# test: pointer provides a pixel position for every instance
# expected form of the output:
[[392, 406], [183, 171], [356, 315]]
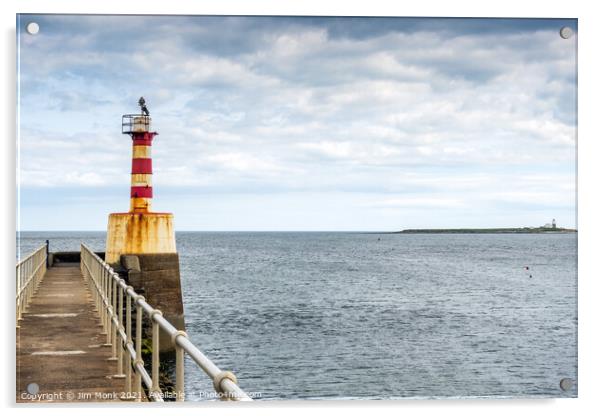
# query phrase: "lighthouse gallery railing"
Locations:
[[110, 292], [30, 272]]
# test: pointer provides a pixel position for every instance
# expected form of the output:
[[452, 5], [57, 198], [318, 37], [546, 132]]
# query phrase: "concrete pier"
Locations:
[[157, 278], [85, 335], [60, 344]]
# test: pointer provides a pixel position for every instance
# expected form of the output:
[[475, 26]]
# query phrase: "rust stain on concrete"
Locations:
[[134, 233]]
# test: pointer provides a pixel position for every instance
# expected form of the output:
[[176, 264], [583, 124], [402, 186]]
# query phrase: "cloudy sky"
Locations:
[[275, 123]]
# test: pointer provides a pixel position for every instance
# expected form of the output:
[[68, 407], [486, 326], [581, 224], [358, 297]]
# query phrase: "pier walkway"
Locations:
[[80, 335], [60, 345]]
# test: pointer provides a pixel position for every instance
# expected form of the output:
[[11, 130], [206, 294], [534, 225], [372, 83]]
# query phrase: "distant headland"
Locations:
[[524, 230], [547, 228]]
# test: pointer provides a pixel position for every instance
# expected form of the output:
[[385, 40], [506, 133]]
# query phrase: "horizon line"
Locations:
[[306, 231]]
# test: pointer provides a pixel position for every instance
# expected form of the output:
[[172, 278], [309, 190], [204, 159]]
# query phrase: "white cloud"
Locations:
[[292, 107], [244, 163], [416, 202]]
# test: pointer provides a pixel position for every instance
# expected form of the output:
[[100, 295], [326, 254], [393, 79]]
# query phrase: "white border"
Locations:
[[590, 34]]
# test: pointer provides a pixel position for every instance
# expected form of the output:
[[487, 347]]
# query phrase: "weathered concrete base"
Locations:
[[137, 233], [157, 278]]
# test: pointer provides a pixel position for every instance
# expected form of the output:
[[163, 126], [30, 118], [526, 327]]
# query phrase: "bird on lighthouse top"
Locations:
[[142, 104]]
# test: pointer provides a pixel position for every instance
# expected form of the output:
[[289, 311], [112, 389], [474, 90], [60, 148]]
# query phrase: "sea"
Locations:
[[333, 315]]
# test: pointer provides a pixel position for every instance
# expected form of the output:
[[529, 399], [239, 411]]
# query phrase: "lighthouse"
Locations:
[[141, 244], [140, 231]]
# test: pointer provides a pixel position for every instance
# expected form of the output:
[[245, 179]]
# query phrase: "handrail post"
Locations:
[[107, 296], [101, 290], [26, 288], [19, 287], [114, 318], [179, 365], [179, 374], [108, 308], [139, 360], [96, 275], [19, 292], [47, 253], [94, 285], [103, 310], [120, 344], [128, 342], [107, 305], [155, 353]]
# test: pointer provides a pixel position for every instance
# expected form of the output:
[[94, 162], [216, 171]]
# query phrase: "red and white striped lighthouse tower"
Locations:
[[138, 126], [140, 231]]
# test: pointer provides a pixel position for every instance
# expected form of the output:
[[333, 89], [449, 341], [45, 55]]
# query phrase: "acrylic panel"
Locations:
[[320, 208]]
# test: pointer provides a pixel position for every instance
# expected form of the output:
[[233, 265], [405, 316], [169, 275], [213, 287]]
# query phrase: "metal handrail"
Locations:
[[29, 274], [111, 294]]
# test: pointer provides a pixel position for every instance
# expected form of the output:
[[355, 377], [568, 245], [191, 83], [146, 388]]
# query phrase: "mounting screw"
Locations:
[[32, 28], [566, 384], [566, 32], [33, 388]]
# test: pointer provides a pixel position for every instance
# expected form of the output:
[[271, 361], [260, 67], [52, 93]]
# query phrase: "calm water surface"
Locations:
[[348, 315]]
